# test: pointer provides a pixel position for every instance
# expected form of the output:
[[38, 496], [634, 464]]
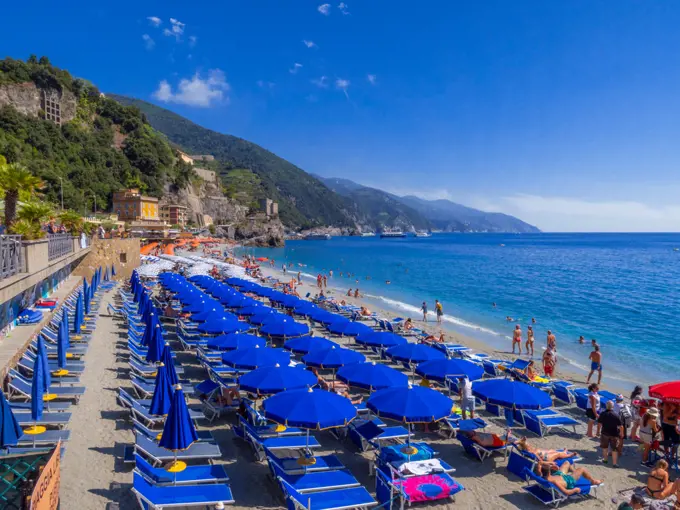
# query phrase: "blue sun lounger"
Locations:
[[478, 451], [341, 499], [207, 473], [455, 423], [203, 435], [321, 463], [314, 481], [549, 494], [49, 437], [543, 421], [197, 451], [368, 435], [17, 387], [146, 370], [145, 389], [52, 407], [157, 497], [562, 391], [49, 419], [56, 381], [140, 409], [519, 460], [74, 367], [259, 443]]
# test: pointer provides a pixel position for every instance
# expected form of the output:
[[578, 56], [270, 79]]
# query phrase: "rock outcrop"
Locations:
[[28, 99]]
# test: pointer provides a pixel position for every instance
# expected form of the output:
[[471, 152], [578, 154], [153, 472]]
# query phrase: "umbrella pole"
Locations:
[[174, 472]]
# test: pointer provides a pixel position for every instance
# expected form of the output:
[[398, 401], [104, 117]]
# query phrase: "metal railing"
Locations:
[[59, 245], [10, 255]]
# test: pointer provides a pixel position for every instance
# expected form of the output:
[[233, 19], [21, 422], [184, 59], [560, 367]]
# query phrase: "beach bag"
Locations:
[[625, 413]]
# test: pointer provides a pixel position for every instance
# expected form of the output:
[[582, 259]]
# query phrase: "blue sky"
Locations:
[[564, 113]]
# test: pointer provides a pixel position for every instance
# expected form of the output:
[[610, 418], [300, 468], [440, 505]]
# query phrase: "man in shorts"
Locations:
[[439, 309], [612, 433], [595, 364], [467, 400]]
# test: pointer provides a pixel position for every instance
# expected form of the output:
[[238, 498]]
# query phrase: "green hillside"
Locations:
[[303, 200], [106, 147]]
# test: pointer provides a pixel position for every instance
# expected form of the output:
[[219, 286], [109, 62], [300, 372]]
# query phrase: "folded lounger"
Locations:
[[157, 497], [341, 499], [549, 494], [562, 391], [207, 473]]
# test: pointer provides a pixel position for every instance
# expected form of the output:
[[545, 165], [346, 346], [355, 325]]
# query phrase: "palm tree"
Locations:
[[15, 177], [35, 212], [72, 221]]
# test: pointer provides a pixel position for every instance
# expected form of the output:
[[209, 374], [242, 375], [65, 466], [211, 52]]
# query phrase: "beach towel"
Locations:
[[421, 467], [649, 503], [428, 487], [393, 454]]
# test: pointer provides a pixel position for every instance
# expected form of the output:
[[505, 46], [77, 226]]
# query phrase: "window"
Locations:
[[123, 258]]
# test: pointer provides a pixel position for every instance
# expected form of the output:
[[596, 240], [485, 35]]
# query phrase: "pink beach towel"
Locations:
[[428, 487]]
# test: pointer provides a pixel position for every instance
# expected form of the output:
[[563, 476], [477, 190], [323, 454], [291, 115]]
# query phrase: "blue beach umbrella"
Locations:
[[414, 353], [382, 339], [106, 274], [305, 307], [154, 354], [372, 376], [64, 323], [235, 341], [162, 394], [249, 310], [41, 359], [38, 388], [264, 292], [267, 317], [179, 432], [410, 404], [62, 345], [208, 312], [271, 380], [113, 270], [323, 316], [306, 344], [198, 305], [86, 295], [511, 394], [285, 328], [78, 318], [149, 330], [310, 409], [443, 369], [348, 328], [169, 364], [223, 324], [10, 431], [332, 358], [255, 357]]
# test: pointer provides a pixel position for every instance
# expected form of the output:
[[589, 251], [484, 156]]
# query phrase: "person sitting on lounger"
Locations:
[[485, 439], [543, 454], [564, 477], [365, 312], [408, 325], [354, 401], [658, 484]]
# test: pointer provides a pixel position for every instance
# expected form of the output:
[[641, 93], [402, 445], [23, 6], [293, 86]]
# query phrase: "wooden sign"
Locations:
[[46, 492]]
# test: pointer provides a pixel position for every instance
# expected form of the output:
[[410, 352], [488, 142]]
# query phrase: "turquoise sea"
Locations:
[[621, 289]]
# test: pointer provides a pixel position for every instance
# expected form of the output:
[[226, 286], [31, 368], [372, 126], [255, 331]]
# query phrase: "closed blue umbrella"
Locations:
[[305, 344], [286, 328], [154, 354], [78, 318], [383, 339], [61, 346], [410, 404], [414, 353], [332, 358], [86, 295], [65, 322], [179, 432], [271, 380], [10, 431], [41, 359], [38, 389], [310, 409], [235, 341], [113, 270], [443, 369], [255, 357], [169, 364], [162, 394], [224, 324], [348, 328], [106, 274], [149, 330], [372, 376]]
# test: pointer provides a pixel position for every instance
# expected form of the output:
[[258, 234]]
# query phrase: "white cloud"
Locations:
[[176, 29], [149, 43], [321, 82], [155, 21], [324, 9], [309, 44], [343, 7], [196, 91], [372, 78], [295, 68], [192, 41]]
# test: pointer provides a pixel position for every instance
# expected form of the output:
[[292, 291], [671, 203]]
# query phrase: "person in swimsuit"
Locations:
[[349, 293], [595, 364], [485, 439], [551, 341], [517, 339], [548, 362], [593, 410], [530, 372], [658, 484], [542, 454], [530, 340], [565, 476]]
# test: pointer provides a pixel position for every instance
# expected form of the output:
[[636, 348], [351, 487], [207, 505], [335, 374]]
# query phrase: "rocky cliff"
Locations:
[[27, 98]]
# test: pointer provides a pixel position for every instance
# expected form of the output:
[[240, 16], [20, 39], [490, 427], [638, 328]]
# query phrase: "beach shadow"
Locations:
[[519, 500], [117, 494], [115, 415]]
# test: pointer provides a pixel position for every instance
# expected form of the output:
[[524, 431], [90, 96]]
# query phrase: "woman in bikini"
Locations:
[[658, 485], [544, 455], [565, 476]]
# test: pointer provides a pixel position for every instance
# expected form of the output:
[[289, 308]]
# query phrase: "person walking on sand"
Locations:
[[595, 364], [551, 341], [439, 309], [299, 278], [283, 267], [530, 340], [548, 362], [612, 433], [424, 310], [517, 339]]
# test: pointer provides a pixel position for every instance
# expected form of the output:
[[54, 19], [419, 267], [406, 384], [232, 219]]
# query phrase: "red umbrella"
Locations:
[[668, 391], [262, 259]]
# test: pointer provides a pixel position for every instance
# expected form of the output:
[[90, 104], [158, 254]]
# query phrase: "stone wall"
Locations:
[[26, 98], [206, 175], [122, 253]]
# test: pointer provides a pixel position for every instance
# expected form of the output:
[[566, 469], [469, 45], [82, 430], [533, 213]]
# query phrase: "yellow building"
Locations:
[[131, 205]]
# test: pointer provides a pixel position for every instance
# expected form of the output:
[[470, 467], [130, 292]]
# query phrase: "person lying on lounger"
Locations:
[[485, 439], [564, 477], [543, 454]]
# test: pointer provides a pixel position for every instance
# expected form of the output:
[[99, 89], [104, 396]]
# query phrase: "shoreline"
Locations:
[[569, 373]]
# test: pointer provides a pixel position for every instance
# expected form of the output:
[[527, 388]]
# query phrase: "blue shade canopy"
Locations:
[[323, 316], [441, 369], [335, 357], [10, 431], [410, 404], [289, 301], [309, 409], [286, 328], [264, 292], [267, 317], [304, 308], [511, 394], [155, 352], [249, 310], [372, 376], [223, 324], [169, 364], [200, 305], [86, 295], [235, 341], [234, 300], [256, 357], [270, 380], [383, 339], [305, 344], [179, 431], [348, 328], [236, 282], [414, 353], [162, 394], [41, 358], [208, 312]]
